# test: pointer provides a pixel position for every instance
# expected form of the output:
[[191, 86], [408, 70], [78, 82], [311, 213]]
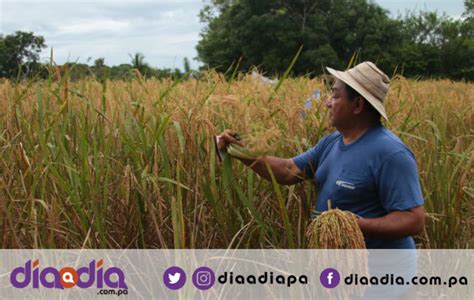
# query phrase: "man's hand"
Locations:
[[226, 138], [394, 225], [284, 169]]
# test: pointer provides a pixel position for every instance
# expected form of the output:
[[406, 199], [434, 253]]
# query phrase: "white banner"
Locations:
[[231, 274]]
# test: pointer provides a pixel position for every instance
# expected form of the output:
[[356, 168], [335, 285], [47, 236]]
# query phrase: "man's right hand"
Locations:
[[284, 169], [226, 138]]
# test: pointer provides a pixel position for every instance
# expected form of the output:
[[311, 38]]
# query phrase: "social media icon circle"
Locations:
[[330, 278], [174, 278], [204, 278]]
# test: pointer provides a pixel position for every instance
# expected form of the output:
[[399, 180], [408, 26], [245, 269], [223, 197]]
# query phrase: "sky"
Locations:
[[163, 31]]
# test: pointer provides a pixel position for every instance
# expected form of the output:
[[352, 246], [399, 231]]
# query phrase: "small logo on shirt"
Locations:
[[345, 184]]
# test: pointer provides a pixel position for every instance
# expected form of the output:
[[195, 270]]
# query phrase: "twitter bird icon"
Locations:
[[174, 278]]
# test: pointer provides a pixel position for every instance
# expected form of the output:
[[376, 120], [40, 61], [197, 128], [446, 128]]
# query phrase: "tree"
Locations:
[[122, 72], [438, 46], [100, 70], [187, 67], [99, 63], [76, 71], [138, 62], [17, 50], [268, 33], [469, 5]]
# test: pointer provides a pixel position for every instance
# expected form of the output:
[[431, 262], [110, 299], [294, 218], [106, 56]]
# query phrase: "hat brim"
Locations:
[[347, 79]]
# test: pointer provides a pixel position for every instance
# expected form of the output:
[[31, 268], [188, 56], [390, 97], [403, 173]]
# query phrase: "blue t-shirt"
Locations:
[[371, 177]]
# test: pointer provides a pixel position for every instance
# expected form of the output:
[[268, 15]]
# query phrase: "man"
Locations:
[[362, 167]]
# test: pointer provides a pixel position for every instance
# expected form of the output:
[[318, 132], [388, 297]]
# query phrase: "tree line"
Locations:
[[20, 59], [242, 34], [268, 33]]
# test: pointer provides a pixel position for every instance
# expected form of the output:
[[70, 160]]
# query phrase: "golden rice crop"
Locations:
[[335, 229], [131, 164]]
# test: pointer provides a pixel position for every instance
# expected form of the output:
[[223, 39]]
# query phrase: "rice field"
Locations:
[[131, 164]]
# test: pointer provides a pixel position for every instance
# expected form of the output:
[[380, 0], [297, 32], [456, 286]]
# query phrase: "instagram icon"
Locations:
[[203, 278]]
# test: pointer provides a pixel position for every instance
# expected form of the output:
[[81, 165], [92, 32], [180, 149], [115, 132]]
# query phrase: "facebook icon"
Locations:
[[330, 278]]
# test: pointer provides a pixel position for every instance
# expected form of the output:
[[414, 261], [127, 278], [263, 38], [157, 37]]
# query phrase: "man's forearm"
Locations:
[[280, 167], [394, 225]]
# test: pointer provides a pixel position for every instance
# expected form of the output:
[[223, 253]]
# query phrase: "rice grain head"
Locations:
[[335, 229]]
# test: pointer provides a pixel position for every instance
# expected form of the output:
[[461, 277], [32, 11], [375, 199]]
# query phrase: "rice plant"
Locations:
[[131, 164]]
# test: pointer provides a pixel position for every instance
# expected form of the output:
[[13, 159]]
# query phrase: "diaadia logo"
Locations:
[[93, 275]]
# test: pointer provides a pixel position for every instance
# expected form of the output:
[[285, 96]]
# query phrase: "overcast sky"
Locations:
[[164, 31]]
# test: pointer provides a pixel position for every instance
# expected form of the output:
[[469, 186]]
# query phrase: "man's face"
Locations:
[[340, 106]]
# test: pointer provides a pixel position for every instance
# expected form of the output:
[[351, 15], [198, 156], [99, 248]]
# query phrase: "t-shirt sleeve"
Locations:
[[308, 161], [398, 183]]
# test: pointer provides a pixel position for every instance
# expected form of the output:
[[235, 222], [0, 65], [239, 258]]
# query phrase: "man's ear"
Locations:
[[359, 104]]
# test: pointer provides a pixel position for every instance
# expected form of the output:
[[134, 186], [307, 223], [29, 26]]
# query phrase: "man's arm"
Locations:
[[394, 225], [284, 169], [400, 194]]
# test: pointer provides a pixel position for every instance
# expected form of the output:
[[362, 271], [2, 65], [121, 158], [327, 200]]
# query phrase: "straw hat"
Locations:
[[369, 81]]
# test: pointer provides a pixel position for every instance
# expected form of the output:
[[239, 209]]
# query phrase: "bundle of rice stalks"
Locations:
[[262, 140], [257, 144], [335, 229]]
